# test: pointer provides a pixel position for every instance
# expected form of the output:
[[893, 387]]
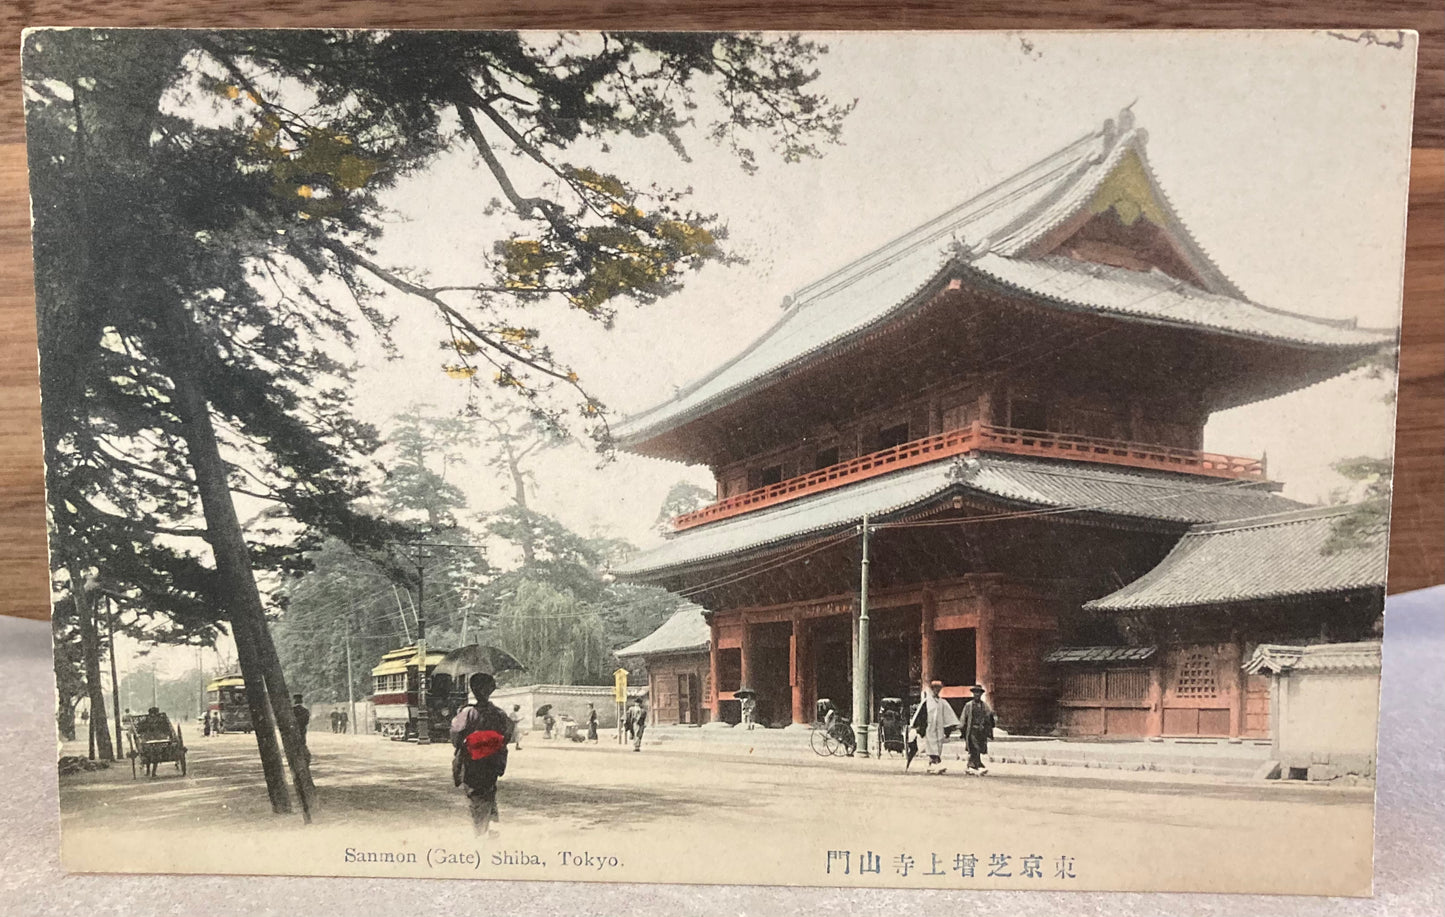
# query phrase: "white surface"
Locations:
[[1409, 878]]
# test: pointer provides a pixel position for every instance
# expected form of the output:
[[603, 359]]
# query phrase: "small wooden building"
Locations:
[[1014, 396], [1198, 618], [676, 657]]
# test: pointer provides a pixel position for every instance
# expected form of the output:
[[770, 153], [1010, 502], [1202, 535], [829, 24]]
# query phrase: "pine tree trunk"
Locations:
[[263, 724], [90, 655], [237, 580], [65, 718], [519, 496]]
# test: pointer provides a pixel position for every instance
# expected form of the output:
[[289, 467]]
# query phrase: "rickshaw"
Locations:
[[154, 740], [892, 729], [833, 732]]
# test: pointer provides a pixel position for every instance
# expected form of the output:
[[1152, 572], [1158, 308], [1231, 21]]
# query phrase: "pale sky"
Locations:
[[1285, 153]]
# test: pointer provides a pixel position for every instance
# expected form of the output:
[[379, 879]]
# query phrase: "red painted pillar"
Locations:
[[983, 644], [1156, 697], [926, 634], [746, 655], [713, 704], [797, 646], [1237, 687]]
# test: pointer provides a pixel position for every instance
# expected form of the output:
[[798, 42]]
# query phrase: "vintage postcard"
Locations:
[[951, 460]]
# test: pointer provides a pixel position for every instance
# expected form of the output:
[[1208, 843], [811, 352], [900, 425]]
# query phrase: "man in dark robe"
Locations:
[[978, 722], [302, 714], [480, 733], [636, 722]]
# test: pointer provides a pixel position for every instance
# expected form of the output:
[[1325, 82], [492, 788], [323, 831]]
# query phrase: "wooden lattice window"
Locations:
[[1127, 684], [1197, 676], [1083, 686]]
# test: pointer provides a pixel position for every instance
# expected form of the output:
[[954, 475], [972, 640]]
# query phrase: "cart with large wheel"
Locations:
[[154, 740], [832, 733]]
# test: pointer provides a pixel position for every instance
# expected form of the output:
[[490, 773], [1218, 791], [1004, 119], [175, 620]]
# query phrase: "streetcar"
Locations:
[[394, 689], [226, 699], [395, 695]]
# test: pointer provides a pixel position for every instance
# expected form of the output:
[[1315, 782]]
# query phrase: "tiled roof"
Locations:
[[1156, 296], [1040, 483], [1247, 560], [685, 632], [1100, 654], [989, 235], [1323, 657]]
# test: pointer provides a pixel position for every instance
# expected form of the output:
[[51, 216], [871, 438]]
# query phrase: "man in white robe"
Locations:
[[932, 721]]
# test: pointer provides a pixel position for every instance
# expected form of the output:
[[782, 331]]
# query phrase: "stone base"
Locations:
[[717, 724]]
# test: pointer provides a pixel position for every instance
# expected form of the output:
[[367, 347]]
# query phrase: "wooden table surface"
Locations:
[[1417, 543]]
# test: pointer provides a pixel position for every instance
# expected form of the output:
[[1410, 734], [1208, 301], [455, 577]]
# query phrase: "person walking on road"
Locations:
[[978, 722], [933, 720], [480, 732], [592, 722], [750, 711], [516, 717], [636, 722], [302, 716]]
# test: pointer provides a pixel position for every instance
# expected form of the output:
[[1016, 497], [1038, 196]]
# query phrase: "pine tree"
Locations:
[[198, 197]]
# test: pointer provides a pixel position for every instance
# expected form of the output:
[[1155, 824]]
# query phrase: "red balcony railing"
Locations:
[[980, 437]]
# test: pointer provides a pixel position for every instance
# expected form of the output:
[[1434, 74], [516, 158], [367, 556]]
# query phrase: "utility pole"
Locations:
[[861, 661], [350, 700], [423, 715], [419, 559], [114, 679], [200, 686]]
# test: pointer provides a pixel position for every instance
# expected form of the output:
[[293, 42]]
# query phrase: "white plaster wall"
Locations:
[[1328, 715]]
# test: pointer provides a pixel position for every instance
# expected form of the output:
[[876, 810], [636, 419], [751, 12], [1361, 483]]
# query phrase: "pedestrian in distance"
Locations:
[[636, 722], [480, 733], [516, 717], [977, 722], [549, 725], [207, 724], [592, 722], [302, 715], [933, 720], [750, 711]]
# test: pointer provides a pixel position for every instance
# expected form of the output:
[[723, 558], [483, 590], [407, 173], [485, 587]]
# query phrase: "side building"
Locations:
[[1012, 398], [677, 658]]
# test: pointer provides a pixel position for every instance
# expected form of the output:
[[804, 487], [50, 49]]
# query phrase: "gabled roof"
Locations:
[[1156, 297], [1254, 559], [1092, 654], [1042, 483], [1322, 657], [1002, 235], [685, 632]]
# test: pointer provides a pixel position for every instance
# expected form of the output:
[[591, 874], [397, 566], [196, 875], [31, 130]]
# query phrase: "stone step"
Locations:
[[1192, 756]]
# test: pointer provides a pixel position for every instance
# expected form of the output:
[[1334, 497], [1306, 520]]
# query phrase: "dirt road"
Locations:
[[605, 813]]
